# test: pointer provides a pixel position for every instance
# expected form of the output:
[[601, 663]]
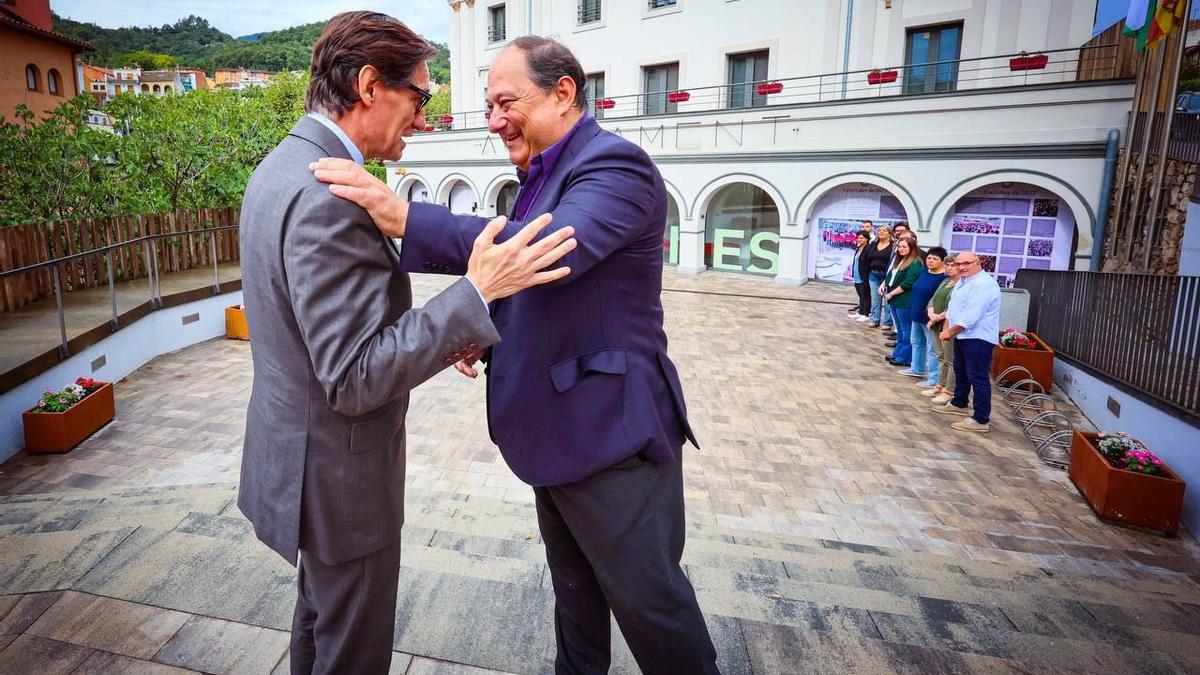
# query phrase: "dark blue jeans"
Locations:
[[902, 352], [972, 363]]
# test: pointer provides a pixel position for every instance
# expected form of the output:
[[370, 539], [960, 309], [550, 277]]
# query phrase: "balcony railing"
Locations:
[[659, 4], [496, 34], [1006, 70]]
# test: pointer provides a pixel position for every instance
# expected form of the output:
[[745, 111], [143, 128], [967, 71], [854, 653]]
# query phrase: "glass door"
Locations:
[[925, 48]]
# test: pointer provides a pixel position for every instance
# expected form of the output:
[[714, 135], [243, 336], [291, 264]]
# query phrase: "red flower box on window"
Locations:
[[881, 76], [447, 119], [1028, 62], [678, 97], [605, 104], [770, 88]]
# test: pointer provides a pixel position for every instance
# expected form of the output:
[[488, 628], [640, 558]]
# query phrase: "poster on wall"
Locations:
[[838, 216], [1010, 228]]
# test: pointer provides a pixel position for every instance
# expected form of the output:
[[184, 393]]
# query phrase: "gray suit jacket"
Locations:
[[336, 347]]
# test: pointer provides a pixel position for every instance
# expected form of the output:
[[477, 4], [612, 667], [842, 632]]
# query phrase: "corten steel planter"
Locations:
[[1124, 496], [235, 324], [60, 432], [1039, 362]]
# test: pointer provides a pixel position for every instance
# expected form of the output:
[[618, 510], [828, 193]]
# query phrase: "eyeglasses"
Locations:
[[425, 95], [965, 263]]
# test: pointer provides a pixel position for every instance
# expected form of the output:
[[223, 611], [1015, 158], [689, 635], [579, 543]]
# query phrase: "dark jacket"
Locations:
[[580, 379], [905, 278]]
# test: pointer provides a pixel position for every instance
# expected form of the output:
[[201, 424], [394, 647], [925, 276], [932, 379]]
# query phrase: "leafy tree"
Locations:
[[146, 59], [56, 167], [438, 105]]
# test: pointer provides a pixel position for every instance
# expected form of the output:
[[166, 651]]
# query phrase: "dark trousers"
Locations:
[[864, 297], [972, 366], [345, 614], [613, 542]]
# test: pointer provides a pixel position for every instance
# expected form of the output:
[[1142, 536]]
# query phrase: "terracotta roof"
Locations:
[[13, 21]]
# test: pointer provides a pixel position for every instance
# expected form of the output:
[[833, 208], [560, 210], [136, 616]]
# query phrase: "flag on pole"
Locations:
[[1169, 14], [1138, 20]]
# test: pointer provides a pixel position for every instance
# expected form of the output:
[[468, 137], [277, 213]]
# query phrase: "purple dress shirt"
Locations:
[[541, 166]]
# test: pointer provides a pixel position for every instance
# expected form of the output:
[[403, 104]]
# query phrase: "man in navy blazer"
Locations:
[[583, 400]]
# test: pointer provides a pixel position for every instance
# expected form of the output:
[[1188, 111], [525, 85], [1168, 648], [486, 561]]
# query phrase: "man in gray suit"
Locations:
[[337, 345]]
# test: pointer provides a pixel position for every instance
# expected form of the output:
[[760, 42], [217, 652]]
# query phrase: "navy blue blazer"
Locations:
[[580, 379]]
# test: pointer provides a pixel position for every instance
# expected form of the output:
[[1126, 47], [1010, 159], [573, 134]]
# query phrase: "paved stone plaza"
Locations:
[[835, 525]]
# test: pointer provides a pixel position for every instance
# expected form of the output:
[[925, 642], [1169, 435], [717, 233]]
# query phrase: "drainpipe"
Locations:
[[529, 17], [1106, 184], [846, 52]]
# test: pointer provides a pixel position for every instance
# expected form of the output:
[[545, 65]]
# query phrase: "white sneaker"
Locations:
[[969, 424], [951, 409], [930, 393], [923, 384], [941, 399], [862, 318]]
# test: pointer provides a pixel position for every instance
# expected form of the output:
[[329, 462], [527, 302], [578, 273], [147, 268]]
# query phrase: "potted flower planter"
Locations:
[[1028, 62], [1038, 361], [61, 431], [881, 76], [1122, 495], [235, 323]]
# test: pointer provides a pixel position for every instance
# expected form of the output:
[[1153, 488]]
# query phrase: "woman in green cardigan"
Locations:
[[895, 290]]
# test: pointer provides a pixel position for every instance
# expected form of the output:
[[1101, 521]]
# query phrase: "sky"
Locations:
[[430, 18], [1109, 12]]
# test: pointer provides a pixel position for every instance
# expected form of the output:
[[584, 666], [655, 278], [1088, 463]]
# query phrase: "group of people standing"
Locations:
[[940, 317]]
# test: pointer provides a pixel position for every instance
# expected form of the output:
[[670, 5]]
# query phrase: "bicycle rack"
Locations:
[[1019, 372], [1011, 393], [1055, 449], [1031, 406]]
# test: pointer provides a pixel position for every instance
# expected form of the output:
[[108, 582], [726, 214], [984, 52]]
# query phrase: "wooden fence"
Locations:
[[24, 245]]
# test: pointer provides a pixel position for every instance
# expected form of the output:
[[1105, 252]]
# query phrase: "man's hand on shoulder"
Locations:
[[351, 182], [500, 270]]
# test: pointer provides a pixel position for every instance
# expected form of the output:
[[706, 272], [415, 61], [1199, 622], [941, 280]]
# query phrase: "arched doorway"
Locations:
[[836, 220], [415, 191], [460, 198], [741, 231], [506, 196], [671, 233], [1011, 226]]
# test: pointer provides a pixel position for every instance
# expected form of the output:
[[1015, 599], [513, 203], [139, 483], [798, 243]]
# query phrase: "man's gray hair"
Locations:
[[548, 61]]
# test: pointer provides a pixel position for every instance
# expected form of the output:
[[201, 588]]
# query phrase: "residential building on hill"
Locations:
[[240, 78], [39, 67], [95, 82], [124, 81]]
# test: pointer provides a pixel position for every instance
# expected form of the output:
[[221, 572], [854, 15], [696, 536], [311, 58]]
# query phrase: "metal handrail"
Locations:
[[152, 273], [112, 247], [820, 84]]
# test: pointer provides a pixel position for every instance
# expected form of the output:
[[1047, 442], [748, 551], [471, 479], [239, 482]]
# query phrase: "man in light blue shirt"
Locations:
[[973, 322]]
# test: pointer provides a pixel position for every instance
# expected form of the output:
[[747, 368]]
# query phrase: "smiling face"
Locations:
[[527, 119]]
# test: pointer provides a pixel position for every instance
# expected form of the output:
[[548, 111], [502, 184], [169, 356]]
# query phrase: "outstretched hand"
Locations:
[[350, 181], [500, 270]]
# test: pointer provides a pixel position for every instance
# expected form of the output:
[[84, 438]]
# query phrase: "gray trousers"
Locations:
[[345, 614], [613, 542]]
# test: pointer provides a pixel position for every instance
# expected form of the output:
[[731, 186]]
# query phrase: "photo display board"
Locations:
[[1011, 227], [838, 216]]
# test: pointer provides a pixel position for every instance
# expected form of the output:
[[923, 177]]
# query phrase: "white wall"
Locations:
[[125, 351], [805, 37], [928, 152]]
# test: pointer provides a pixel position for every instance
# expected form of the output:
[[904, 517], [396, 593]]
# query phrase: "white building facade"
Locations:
[[780, 125]]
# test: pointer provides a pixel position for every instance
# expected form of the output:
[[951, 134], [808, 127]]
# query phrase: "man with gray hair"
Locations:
[[337, 345], [583, 400]]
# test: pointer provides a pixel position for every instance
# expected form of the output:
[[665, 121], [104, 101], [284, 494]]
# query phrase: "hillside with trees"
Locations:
[[195, 43]]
